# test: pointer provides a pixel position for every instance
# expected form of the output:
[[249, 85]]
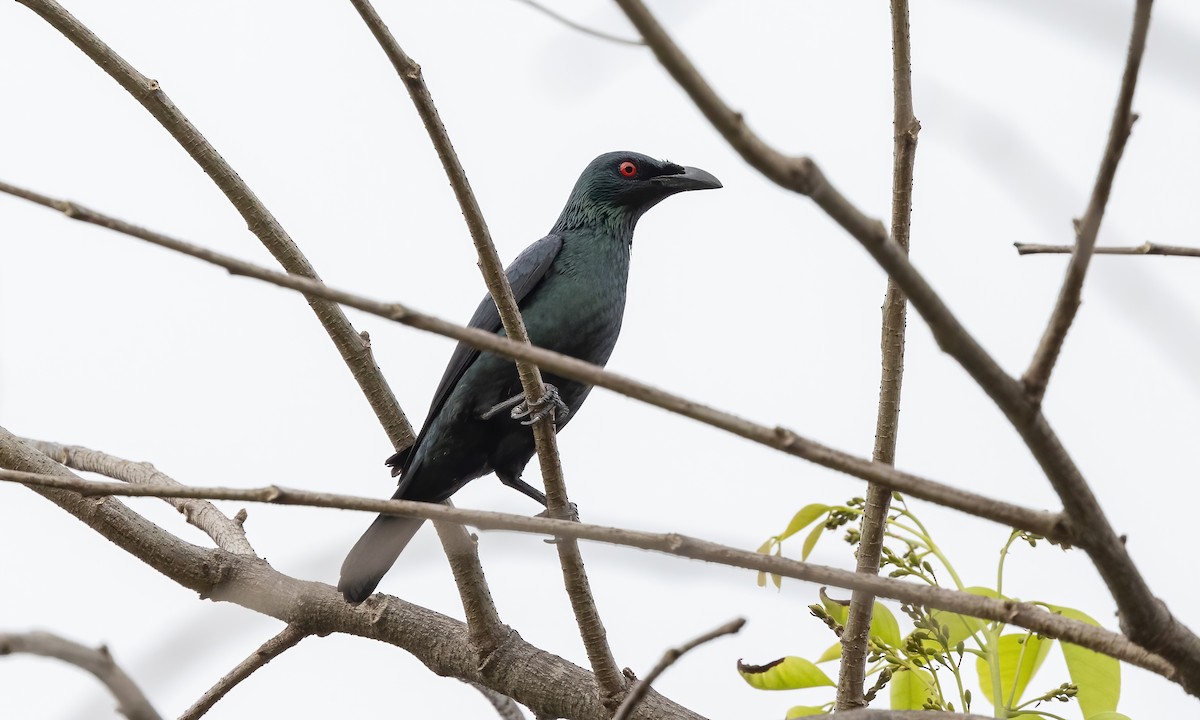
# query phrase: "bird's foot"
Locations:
[[550, 403], [571, 512]]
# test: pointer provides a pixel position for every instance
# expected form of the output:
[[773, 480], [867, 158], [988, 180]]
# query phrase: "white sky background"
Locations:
[[748, 298]]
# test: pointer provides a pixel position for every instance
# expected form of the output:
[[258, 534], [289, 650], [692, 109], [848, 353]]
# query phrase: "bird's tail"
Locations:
[[374, 554]]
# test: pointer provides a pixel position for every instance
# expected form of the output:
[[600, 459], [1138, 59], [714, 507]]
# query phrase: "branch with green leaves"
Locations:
[[924, 668]]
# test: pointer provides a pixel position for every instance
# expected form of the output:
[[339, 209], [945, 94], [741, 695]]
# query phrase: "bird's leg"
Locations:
[[551, 402], [496, 409], [515, 482]]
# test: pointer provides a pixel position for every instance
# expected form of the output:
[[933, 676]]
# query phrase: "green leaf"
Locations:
[[805, 711], [803, 519], [1097, 676], [810, 542], [884, 625], [1021, 655], [787, 673], [833, 653], [836, 610], [911, 689], [960, 627], [1108, 716]]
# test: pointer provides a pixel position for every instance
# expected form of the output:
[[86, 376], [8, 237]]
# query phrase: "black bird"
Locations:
[[570, 286]]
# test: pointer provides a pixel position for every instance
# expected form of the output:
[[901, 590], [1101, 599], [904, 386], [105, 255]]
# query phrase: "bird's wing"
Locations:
[[524, 274]]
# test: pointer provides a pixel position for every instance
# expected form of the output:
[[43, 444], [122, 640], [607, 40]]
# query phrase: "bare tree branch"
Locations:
[[1086, 229], [1145, 617], [669, 658], [225, 532], [542, 681], [1146, 248], [591, 629], [98, 661], [354, 347], [1051, 525], [1026, 615], [855, 637], [581, 28], [268, 651]]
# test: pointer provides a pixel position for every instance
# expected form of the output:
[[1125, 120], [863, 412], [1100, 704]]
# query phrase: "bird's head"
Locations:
[[617, 187]]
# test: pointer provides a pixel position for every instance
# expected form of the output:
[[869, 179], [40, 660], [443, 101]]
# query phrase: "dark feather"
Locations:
[[523, 276]]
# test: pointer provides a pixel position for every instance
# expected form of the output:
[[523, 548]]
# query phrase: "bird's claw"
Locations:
[[550, 404], [571, 512]]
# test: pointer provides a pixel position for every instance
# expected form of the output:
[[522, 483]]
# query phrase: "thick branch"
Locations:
[[98, 661], [268, 651], [1146, 248], [1025, 615], [1145, 617], [669, 658], [591, 628], [1086, 229], [542, 681], [1050, 525], [855, 637], [228, 534]]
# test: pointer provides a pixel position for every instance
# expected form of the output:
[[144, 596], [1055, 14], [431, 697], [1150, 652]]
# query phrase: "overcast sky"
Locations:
[[748, 298]]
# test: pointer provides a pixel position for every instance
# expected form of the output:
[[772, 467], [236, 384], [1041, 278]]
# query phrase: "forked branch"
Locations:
[[1087, 227]]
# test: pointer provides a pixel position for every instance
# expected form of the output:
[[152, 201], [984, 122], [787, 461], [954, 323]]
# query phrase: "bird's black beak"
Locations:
[[690, 179]]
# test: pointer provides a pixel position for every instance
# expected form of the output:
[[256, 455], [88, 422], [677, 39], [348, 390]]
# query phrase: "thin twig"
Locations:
[[1051, 525], [591, 628], [582, 28], [268, 651], [1086, 229], [669, 658], [225, 532], [1144, 616], [855, 637], [98, 661], [1025, 615], [505, 707], [1146, 248]]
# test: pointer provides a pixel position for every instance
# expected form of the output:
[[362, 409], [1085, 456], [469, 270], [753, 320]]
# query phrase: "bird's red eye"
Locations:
[[627, 169]]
